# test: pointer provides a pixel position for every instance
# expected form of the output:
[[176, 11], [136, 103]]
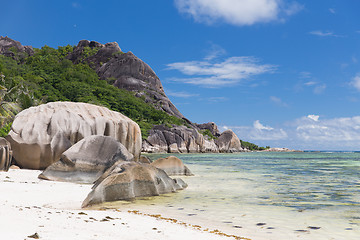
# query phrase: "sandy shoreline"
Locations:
[[29, 205]]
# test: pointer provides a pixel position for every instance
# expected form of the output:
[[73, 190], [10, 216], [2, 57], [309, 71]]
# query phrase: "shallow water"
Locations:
[[267, 195]]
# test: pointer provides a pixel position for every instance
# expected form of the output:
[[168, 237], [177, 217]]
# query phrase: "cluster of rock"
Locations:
[[182, 139], [84, 143]]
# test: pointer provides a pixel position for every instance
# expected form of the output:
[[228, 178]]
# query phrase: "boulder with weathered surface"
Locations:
[[5, 155], [87, 160], [172, 166], [39, 135], [228, 142], [128, 180]]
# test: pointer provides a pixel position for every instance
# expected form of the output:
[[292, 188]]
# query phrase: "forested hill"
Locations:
[[33, 76]]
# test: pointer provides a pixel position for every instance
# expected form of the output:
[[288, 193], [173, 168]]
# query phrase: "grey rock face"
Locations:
[[172, 166], [5, 155], [126, 71], [228, 142], [8, 44], [128, 180], [39, 135], [87, 160]]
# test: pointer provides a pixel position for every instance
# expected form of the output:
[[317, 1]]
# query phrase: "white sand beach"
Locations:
[[51, 210]]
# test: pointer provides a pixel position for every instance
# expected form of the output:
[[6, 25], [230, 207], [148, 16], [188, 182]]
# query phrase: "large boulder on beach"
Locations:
[[128, 180], [228, 142], [87, 160], [172, 166], [5, 155], [39, 135]]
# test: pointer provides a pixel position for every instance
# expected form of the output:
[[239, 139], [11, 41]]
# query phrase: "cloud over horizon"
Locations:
[[308, 133], [208, 73], [237, 12]]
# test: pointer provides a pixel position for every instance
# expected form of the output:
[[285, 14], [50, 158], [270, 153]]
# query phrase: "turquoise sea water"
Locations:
[[311, 195]]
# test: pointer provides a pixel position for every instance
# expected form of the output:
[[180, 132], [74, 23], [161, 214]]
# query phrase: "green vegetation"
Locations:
[[252, 146], [48, 76], [206, 132], [5, 130]]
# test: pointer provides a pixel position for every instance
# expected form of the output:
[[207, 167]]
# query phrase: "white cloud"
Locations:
[[329, 130], [214, 52], [217, 99], [237, 12], [257, 125], [311, 83], [257, 132], [314, 117], [228, 72], [320, 88], [305, 133], [325, 34], [278, 101], [180, 94], [356, 82], [332, 10], [322, 33]]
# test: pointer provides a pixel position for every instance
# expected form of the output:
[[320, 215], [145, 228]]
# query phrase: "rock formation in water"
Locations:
[[182, 139], [87, 160], [172, 165], [128, 180], [39, 135], [228, 142], [5, 155]]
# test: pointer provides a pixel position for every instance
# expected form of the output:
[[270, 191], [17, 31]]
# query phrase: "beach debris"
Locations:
[[35, 236], [197, 227], [236, 226], [302, 230], [82, 213], [313, 228], [260, 224]]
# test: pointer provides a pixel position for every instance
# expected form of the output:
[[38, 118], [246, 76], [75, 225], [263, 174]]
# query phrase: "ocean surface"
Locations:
[[310, 195]]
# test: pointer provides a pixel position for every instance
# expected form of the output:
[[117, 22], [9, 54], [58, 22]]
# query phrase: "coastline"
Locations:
[[52, 210]]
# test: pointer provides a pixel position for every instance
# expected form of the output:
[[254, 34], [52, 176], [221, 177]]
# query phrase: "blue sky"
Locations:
[[277, 72]]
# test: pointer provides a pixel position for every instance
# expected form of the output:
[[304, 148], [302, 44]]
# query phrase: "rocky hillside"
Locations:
[[75, 73]]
